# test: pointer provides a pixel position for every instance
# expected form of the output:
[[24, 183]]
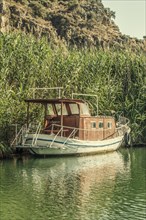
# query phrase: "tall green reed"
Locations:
[[117, 77]]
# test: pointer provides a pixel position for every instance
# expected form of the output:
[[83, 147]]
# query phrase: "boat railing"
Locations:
[[61, 130], [78, 129], [72, 135], [122, 125], [44, 89], [35, 136], [35, 129], [123, 120], [20, 135]]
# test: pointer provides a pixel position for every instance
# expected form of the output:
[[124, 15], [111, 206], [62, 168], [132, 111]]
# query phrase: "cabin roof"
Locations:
[[54, 101]]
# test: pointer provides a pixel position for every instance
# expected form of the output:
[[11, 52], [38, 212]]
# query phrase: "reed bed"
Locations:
[[117, 77]]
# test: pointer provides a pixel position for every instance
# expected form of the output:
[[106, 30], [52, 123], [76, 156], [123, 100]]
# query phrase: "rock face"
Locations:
[[83, 23], [4, 17]]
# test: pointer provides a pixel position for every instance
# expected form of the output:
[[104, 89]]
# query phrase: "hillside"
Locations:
[[81, 23]]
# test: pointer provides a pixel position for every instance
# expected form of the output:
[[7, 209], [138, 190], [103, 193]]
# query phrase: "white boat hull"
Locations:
[[47, 145]]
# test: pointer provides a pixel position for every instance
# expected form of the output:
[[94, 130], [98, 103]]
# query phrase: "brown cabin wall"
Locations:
[[96, 133], [92, 133], [71, 121], [68, 121]]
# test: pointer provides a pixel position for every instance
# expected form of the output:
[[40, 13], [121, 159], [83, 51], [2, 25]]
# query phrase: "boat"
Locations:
[[68, 128]]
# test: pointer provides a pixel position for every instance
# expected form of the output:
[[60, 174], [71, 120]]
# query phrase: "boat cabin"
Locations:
[[73, 117]]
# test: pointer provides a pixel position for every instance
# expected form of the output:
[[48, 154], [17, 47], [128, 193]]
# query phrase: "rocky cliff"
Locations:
[[83, 23]]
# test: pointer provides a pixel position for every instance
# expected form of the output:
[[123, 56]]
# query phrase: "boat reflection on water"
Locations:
[[84, 172], [77, 182], [109, 186], [76, 187]]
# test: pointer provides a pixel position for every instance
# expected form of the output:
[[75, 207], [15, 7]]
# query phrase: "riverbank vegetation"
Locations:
[[117, 77]]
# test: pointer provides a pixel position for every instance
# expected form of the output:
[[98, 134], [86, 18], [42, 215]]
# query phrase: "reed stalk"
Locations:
[[117, 77]]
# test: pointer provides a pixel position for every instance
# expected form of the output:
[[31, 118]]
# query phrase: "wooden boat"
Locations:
[[68, 128]]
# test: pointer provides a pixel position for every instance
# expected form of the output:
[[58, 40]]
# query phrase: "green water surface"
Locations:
[[103, 187]]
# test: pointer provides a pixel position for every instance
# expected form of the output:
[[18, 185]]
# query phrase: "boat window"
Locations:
[[50, 110], [58, 109], [100, 124], [74, 108], [109, 125], [84, 109], [93, 124]]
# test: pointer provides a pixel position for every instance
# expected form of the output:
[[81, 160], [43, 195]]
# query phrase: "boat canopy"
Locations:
[[76, 106], [54, 101]]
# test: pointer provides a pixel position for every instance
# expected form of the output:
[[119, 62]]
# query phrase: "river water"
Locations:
[[103, 187]]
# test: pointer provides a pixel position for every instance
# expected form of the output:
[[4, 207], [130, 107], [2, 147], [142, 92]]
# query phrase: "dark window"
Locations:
[[93, 124], [100, 124], [109, 125]]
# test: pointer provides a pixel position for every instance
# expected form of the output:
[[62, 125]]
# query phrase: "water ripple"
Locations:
[[102, 187]]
